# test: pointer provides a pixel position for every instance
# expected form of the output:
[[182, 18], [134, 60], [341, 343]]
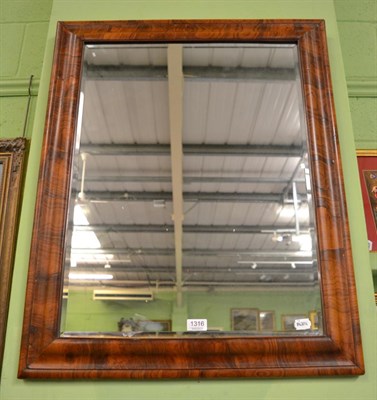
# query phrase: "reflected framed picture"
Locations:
[[245, 319], [267, 321], [144, 325], [288, 321], [164, 324], [12, 158], [367, 163], [315, 320]]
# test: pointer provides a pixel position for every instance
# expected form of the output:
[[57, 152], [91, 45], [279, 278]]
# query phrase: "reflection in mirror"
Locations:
[[191, 194], [1, 179]]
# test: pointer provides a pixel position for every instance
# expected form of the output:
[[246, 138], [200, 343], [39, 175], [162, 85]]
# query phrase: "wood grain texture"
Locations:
[[45, 354], [12, 158]]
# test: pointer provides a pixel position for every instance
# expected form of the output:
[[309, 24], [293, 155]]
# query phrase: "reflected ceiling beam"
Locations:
[[186, 179], [175, 88], [119, 268], [241, 229], [202, 285], [108, 196], [207, 73], [247, 150], [256, 255]]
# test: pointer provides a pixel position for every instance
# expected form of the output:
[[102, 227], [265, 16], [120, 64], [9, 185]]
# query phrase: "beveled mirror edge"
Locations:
[[13, 156], [45, 355]]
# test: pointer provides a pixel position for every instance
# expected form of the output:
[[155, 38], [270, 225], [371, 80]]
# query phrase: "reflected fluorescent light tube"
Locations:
[[79, 121], [276, 262], [89, 277], [159, 204]]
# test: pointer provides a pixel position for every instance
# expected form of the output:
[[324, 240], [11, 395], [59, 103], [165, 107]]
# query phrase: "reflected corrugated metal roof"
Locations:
[[231, 97]]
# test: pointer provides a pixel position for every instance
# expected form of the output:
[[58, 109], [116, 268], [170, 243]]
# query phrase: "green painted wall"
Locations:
[[357, 24], [23, 28], [23, 32], [85, 314]]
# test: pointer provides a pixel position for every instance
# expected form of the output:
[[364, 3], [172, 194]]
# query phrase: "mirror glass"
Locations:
[[191, 208]]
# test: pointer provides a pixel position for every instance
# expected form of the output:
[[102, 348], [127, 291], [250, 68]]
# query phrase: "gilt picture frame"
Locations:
[[315, 320], [367, 165], [12, 159]]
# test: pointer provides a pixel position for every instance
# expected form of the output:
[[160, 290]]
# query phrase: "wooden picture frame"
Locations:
[[46, 354], [12, 159], [367, 164], [245, 319]]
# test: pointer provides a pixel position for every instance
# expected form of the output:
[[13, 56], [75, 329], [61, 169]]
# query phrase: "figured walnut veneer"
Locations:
[[45, 354]]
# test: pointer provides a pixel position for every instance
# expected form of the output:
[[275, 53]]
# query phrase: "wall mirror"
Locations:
[[12, 155], [190, 219]]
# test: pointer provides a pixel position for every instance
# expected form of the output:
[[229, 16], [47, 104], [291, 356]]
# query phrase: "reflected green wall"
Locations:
[[357, 26], [85, 314]]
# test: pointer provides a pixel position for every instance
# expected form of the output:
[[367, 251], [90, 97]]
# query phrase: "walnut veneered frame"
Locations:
[[44, 354]]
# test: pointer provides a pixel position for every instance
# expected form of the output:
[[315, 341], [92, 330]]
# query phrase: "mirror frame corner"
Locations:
[[45, 354]]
